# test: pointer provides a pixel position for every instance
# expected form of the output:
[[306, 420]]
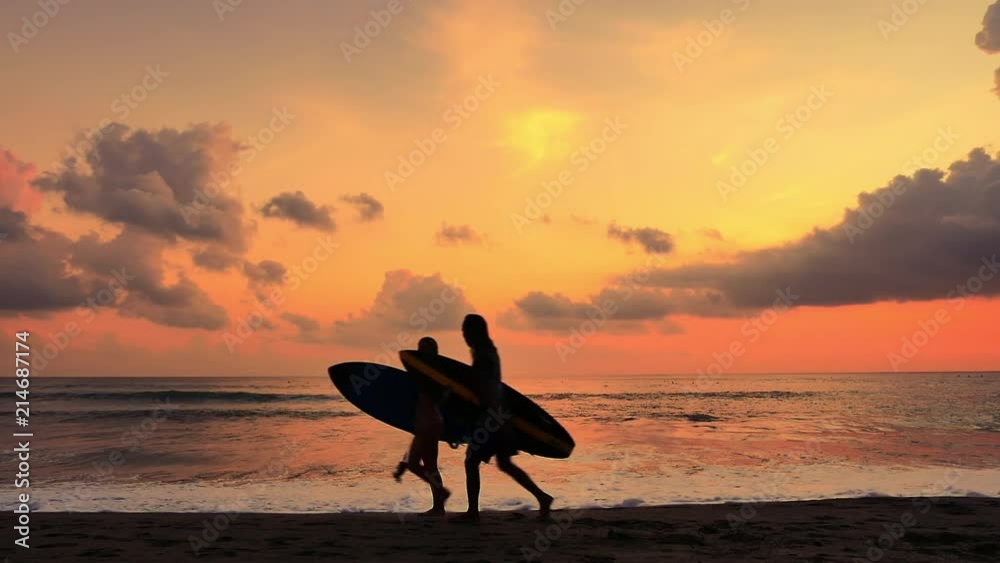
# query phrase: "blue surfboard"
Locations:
[[389, 395]]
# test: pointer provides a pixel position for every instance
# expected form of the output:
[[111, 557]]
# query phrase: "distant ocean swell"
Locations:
[[188, 397]]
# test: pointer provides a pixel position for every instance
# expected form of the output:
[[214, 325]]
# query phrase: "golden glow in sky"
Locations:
[[520, 197]]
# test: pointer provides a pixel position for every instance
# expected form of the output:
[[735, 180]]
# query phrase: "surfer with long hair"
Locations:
[[422, 457], [495, 419]]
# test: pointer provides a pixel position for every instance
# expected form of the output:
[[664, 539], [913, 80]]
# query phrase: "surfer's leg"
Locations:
[[472, 484], [505, 464], [429, 466]]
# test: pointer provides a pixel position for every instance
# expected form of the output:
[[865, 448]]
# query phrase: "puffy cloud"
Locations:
[[620, 308], [453, 235], [215, 259], [167, 182], [653, 241], [304, 323], [714, 234], [35, 274], [297, 208], [309, 329], [406, 302], [264, 274], [267, 272], [135, 259], [369, 208], [989, 38], [917, 238]]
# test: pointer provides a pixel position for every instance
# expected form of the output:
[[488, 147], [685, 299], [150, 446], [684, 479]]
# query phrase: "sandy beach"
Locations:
[[957, 529]]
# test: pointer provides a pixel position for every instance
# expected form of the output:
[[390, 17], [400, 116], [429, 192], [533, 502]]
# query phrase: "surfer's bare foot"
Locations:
[[439, 499], [467, 518], [544, 506]]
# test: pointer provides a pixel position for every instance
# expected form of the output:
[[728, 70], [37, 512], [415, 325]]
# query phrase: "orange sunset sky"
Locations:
[[198, 161]]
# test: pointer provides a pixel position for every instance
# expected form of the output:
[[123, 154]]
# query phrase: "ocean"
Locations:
[[294, 445]]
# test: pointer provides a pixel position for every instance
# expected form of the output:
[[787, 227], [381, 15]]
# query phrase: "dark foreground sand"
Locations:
[[949, 529]]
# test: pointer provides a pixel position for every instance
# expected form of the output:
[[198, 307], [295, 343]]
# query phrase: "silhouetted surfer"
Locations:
[[422, 459], [495, 418]]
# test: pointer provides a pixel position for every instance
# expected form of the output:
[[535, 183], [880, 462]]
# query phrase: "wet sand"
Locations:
[[956, 529]]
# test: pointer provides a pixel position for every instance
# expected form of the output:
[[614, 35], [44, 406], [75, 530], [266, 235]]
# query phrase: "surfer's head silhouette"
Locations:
[[428, 346], [475, 331]]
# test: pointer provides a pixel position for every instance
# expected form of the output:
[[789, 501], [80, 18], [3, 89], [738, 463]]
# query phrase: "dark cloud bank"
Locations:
[[919, 237]]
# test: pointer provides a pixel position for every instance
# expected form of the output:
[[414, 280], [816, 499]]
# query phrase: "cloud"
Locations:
[[135, 259], [35, 277], [262, 275], [409, 303], [16, 192], [215, 259], [989, 38], [620, 308], [297, 208], [265, 272], [165, 182], [653, 241], [453, 235], [304, 323], [917, 238], [369, 208], [712, 234], [309, 329], [145, 182]]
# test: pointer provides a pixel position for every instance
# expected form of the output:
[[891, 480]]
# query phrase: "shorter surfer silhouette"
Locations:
[[495, 418], [422, 457]]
